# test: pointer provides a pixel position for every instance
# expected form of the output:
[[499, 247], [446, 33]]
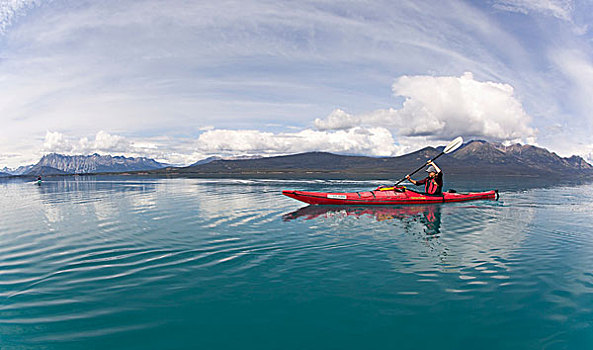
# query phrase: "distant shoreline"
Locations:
[[280, 175], [459, 182], [322, 175]]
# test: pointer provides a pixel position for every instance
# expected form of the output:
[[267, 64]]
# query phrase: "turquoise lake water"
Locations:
[[124, 263]]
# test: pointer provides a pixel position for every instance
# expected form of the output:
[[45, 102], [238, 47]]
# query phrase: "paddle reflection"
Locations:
[[427, 215]]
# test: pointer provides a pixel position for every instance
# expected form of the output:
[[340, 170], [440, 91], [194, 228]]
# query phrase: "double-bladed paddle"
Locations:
[[452, 146]]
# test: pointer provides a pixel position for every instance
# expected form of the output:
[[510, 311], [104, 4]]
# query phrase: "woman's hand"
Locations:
[[410, 179]]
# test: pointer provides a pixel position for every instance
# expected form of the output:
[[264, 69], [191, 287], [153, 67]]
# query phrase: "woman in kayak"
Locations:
[[433, 183]]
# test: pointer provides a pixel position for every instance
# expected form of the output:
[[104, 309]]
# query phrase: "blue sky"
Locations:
[[181, 80]]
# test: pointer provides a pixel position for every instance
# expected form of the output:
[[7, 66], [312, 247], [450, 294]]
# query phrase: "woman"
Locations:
[[433, 183]]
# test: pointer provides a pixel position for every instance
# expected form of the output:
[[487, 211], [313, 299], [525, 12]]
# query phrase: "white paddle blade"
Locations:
[[453, 145]]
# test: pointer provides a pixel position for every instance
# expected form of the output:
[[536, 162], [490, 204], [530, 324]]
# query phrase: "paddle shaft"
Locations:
[[417, 170]]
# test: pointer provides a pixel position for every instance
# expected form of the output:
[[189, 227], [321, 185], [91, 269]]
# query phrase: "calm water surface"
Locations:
[[108, 263]]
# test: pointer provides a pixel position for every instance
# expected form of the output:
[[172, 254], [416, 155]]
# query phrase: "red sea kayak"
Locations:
[[400, 195]]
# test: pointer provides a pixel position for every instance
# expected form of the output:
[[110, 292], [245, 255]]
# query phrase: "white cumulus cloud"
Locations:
[[337, 120], [444, 107], [448, 106], [56, 142], [103, 143]]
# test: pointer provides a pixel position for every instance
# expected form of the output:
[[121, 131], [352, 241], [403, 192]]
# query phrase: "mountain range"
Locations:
[[53, 164], [213, 158], [473, 158], [23, 169]]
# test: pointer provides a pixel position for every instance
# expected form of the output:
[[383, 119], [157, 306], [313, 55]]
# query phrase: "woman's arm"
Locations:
[[410, 179], [430, 162]]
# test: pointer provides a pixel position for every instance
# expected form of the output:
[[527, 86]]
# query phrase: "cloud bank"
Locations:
[[434, 111], [374, 141]]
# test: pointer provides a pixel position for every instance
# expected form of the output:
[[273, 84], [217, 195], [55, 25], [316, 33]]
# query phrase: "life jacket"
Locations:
[[431, 186]]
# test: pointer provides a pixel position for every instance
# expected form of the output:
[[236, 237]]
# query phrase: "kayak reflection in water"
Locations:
[[433, 183], [428, 215]]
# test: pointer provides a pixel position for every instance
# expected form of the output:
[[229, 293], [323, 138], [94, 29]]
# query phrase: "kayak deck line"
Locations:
[[385, 197]]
